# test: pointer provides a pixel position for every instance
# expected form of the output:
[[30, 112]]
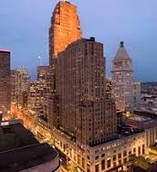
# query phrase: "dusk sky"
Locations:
[[24, 30]]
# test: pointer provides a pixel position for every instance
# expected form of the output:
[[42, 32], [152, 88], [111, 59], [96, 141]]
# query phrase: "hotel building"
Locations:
[[84, 111]]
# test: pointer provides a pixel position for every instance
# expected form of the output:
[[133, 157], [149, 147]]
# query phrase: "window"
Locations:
[[119, 155], [134, 150], [125, 160], [139, 150], [120, 162], [103, 164], [97, 168], [143, 149], [97, 157], [114, 157], [108, 163], [124, 153], [103, 155], [114, 164], [83, 162]]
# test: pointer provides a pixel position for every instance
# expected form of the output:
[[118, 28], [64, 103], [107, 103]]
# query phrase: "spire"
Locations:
[[121, 44], [122, 53]]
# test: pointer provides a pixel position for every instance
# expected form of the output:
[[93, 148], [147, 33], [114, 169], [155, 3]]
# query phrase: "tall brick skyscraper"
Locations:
[[5, 81], [85, 111], [64, 29]]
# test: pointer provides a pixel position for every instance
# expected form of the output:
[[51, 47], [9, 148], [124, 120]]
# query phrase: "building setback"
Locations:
[[84, 110], [5, 83]]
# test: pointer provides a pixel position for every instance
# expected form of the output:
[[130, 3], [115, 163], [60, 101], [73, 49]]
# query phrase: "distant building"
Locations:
[[43, 77], [5, 82], [137, 94], [20, 151], [146, 123], [20, 85], [108, 86], [39, 91], [36, 97], [43, 73], [122, 80]]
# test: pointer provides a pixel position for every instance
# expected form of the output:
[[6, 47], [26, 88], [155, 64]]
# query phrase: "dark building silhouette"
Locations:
[[5, 83]]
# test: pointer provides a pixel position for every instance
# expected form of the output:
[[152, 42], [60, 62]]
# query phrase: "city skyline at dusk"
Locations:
[[75, 91], [24, 30]]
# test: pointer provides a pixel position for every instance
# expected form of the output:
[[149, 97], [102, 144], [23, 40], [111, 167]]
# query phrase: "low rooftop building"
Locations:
[[20, 151]]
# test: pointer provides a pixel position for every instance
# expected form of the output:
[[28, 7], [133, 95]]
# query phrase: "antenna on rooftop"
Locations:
[[40, 60]]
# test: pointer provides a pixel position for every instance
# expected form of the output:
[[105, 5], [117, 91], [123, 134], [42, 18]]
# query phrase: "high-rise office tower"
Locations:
[[64, 29], [5, 82], [84, 110], [122, 79]]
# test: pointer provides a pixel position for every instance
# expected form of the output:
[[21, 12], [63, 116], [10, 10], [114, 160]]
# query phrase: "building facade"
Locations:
[[43, 77], [84, 110], [64, 29], [108, 157], [36, 96], [5, 82], [20, 80], [137, 94], [122, 80], [43, 73]]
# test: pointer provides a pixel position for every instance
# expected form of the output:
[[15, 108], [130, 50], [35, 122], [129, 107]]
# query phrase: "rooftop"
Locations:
[[14, 136], [26, 157], [141, 122], [122, 53], [19, 150], [5, 50]]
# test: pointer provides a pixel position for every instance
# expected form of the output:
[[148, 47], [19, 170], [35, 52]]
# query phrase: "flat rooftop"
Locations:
[[14, 136], [5, 50], [141, 122], [19, 150], [26, 157]]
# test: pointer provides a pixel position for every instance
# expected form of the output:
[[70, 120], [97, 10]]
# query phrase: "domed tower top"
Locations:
[[121, 53], [122, 61]]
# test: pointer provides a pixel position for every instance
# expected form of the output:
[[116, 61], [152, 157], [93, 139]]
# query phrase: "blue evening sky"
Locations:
[[24, 30]]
